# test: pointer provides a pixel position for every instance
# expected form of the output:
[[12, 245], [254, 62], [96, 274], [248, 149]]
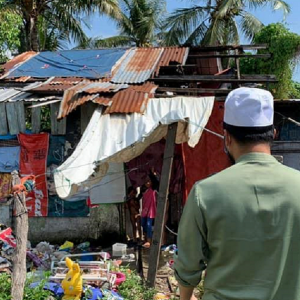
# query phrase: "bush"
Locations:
[[37, 293]]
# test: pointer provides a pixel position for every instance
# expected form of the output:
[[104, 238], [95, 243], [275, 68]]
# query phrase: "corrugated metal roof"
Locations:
[[59, 84], [96, 63], [138, 66], [130, 100], [6, 94], [18, 60], [103, 87], [14, 95], [172, 55], [134, 99]]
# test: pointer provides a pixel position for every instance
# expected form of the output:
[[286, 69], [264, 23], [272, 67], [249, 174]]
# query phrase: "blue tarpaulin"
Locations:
[[70, 63]]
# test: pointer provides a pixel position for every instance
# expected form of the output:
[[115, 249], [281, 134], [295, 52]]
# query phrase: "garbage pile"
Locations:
[[99, 273]]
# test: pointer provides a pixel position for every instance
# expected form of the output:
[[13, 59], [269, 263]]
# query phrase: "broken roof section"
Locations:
[[138, 65], [119, 98], [69, 63]]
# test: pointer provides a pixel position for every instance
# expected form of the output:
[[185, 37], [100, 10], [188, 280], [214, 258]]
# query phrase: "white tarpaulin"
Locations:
[[112, 187], [118, 138]]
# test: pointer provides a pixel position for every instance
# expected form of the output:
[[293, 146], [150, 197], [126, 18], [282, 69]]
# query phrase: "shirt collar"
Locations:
[[256, 156]]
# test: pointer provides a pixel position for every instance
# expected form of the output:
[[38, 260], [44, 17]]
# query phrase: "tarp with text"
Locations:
[[33, 160]]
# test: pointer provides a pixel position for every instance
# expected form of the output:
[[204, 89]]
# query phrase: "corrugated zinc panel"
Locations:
[[6, 94], [18, 60], [138, 65], [134, 99], [103, 87], [172, 55]]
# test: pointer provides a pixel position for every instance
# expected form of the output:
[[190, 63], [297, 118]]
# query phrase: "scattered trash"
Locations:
[[67, 246], [119, 249], [84, 246], [161, 296]]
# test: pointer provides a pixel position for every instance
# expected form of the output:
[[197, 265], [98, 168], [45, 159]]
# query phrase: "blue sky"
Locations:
[[104, 27]]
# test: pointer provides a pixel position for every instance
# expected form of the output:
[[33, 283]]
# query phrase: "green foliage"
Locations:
[[284, 47], [134, 288], [217, 22], [29, 293], [10, 25], [139, 24]]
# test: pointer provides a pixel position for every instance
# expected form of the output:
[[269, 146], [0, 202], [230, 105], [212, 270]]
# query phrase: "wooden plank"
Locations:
[[231, 55], [3, 120], [58, 127], [162, 204], [178, 66], [87, 111], [230, 47], [19, 107], [193, 90], [21, 233], [200, 78], [12, 118], [36, 119]]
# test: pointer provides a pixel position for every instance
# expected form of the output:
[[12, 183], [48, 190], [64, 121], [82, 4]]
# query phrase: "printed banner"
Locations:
[[33, 161]]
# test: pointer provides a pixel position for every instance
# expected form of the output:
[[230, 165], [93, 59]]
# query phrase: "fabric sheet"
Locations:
[[119, 138], [33, 161], [208, 156], [9, 159]]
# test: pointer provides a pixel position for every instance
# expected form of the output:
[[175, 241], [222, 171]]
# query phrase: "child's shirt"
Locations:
[[149, 204]]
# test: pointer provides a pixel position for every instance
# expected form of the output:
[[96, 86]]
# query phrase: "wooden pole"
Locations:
[[161, 204], [21, 232]]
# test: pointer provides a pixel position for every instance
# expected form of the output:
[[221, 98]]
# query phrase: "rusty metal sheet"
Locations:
[[138, 66], [134, 99], [103, 87], [18, 60], [173, 55]]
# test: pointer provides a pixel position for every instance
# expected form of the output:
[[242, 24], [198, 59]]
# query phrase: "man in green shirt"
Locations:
[[243, 224]]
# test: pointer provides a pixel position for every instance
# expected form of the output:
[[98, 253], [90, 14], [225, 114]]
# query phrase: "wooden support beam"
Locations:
[[36, 119], [218, 78], [179, 66], [230, 55], [58, 127], [162, 204], [20, 109], [21, 233], [192, 90], [3, 120], [12, 118], [230, 47]]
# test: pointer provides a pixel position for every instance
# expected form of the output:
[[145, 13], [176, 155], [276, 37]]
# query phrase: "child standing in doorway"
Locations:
[[149, 206], [133, 205]]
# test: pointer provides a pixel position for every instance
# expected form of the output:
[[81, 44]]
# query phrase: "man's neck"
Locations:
[[255, 148]]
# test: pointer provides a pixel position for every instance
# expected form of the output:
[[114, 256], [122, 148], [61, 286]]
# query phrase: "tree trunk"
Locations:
[[34, 37], [21, 232]]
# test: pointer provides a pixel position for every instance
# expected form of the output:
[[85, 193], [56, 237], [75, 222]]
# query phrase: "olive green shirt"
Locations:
[[244, 223]]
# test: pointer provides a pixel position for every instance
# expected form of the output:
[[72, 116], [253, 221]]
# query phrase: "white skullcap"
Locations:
[[249, 107]]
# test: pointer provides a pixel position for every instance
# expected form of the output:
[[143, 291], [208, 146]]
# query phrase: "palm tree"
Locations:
[[217, 22], [65, 17], [139, 24]]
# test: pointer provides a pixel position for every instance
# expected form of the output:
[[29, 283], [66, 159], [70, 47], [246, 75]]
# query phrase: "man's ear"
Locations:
[[275, 133], [227, 138]]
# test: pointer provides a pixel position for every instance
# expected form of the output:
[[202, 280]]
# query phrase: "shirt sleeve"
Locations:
[[191, 242]]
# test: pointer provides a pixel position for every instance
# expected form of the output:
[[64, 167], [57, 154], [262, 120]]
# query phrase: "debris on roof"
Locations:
[[138, 66]]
